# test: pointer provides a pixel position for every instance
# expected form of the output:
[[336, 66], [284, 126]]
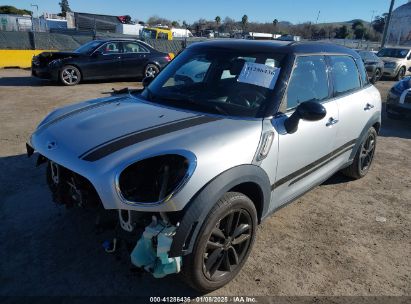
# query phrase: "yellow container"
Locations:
[[18, 58]]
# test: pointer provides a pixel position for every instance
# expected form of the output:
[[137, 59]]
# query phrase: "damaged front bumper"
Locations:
[[152, 248], [151, 251]]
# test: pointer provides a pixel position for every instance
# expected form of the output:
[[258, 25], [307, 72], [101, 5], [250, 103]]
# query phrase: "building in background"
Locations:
[[399, 31]]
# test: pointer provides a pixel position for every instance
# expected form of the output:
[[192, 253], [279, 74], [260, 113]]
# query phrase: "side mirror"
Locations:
[[309, 110], [147, 81]]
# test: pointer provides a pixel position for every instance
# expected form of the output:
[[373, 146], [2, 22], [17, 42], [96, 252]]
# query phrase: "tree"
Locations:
[[378, 23], [341, 32], [244, 22], [65, 8], [8, 9], [175, 24], [359, 29], [218, 20], [275, 22]]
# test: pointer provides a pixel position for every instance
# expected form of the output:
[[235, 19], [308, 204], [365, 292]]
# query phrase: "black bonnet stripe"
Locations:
[[136, 137], [83, 109]]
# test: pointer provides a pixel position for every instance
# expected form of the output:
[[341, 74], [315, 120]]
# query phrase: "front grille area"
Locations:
[[71, 189]]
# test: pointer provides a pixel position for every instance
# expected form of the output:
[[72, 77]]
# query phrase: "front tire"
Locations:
[[70, 75], [376, 76], [223, 244], [364, 157], [401, 74]]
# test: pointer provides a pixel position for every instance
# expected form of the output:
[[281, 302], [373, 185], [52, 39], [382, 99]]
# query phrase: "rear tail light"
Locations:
[[169, 57]]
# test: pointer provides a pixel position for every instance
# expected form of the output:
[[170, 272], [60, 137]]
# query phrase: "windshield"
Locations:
[[227, 82], [396, 53], [89, 47]]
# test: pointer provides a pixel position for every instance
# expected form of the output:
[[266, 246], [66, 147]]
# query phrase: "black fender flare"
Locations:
[[203, 201], [375, 118]]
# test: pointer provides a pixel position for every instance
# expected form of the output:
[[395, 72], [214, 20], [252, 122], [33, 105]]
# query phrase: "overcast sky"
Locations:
[[294, 11]]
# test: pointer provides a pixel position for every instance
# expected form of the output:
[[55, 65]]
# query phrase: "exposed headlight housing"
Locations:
[[154, 180]]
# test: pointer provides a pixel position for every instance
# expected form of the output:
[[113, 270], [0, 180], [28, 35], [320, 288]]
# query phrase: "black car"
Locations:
[[100, 59], [399, 99], [373, 64]]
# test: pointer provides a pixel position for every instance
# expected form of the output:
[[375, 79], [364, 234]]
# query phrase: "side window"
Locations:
[[111, 48], [308, 82], [133, 47], [344, 74]]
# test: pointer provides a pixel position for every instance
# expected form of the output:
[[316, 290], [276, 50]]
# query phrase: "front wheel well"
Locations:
[[254, 192], [377, 127]]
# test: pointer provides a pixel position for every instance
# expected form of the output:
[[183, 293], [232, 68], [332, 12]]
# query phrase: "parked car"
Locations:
[[397, 61], [399, 99], [373, 64], [206, 161], [100, 59]]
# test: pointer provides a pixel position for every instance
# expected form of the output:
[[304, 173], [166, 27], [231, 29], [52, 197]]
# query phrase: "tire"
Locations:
[[216, 242], [151, 70], [70, 75], [401, 74], [376, 76], [364, 157]]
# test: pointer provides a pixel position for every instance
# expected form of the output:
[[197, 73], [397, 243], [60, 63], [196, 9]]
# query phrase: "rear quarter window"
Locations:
[[345, 75]]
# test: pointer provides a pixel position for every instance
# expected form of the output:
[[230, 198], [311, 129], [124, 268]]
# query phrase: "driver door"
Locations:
[[105, 62], [304, 157]]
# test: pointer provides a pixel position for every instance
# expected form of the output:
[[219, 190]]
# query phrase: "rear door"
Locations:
[[105, 62], [304, 156], [354, 99], [134, 59]]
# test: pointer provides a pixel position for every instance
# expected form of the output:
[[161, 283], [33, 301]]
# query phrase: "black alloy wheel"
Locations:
[[227, 244], [367, 152]]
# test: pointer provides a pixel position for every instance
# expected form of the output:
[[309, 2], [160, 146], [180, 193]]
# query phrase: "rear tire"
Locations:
[[151, 70], [223, 244], [70, 75], [364, 157]]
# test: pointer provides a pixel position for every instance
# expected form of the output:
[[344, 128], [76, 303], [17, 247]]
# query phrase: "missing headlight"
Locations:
[[154, 179]]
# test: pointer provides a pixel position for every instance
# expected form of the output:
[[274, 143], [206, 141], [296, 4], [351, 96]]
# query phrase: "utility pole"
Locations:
[[387, 24]]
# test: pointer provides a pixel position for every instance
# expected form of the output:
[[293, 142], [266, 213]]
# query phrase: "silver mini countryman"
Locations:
[[225, 135]]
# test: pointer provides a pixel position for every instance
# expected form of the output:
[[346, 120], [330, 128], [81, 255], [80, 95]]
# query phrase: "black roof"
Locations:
[[285, 47]]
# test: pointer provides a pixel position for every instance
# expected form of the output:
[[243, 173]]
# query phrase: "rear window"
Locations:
[[345, 74]]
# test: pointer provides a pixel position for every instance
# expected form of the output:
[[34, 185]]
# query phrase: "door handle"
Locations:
[[368, 107], [331, 122]]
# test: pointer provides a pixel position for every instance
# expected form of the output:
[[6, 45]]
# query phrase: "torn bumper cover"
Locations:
[[151, 251]]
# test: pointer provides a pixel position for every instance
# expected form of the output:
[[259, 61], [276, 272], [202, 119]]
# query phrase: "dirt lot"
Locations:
[[326, 243]]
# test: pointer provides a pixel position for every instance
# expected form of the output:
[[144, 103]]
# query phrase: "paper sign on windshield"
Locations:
[[259, 74]]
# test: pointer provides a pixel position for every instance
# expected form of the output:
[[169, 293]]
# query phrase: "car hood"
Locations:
[[47, 57], [392, 59], [104, 128]]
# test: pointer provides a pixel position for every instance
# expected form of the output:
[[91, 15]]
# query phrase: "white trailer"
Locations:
[[181, 33], [129, 29]]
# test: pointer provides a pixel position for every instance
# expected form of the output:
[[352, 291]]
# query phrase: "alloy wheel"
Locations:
[[367, 152], [70, 76], [151, 72], [228, 244]]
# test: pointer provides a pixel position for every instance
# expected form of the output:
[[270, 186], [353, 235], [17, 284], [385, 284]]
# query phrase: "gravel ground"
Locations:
[[328, 242]]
